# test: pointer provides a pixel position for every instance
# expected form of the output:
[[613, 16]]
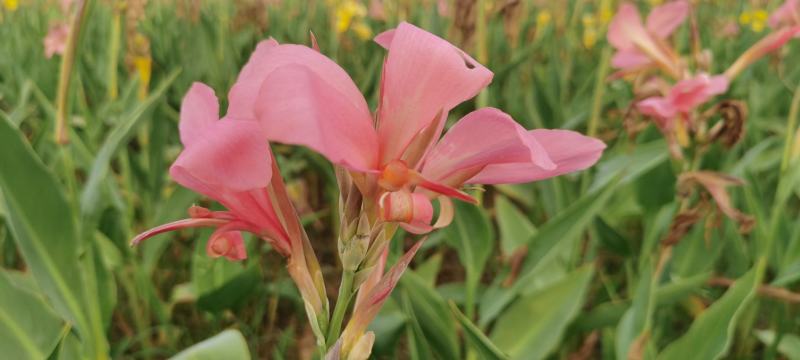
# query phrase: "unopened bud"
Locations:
[[363, 348], [403, 206]]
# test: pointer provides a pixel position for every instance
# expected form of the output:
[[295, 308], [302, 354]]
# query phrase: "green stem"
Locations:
[[794, 111], [65, 73], [342, 303]]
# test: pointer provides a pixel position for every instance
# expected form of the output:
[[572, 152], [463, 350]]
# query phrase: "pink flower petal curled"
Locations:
[[482, 137], [227, 154], [297, 106], [664, 19], [227, 243], [424, 75], [569, 150], [199, 109]]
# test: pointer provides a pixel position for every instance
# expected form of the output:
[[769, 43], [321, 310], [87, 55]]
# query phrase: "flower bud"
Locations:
[[406, 207], [363, 347]]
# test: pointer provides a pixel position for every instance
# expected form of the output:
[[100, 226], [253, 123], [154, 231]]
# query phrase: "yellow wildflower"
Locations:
[[346, 12], [606, 12], [543, 18], [655, 2], [11, 5], [759, 20], [144, 68], [745, 18], [589, 30], [362, 30]]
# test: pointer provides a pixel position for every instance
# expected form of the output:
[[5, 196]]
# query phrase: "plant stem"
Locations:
[[342, 303], [794, 112], [65, 73]]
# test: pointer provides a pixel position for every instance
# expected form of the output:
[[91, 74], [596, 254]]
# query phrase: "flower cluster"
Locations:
[[391, 163]]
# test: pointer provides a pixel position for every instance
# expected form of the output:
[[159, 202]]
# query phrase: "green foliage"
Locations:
[[550, 269]]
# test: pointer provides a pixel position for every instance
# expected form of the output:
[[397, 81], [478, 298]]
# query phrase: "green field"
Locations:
[[681, 242]]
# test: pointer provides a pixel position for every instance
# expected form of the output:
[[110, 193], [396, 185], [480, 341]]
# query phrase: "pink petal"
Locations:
[[384, 39], [630, 58], [269, 56], [424, 76], [177, 225], [199, 109], [664, 19], [657, 107], [482, 137], [297, 106], [227, 243], [624, 26], [786, 14], [569, 150], [228, 155], [691, 93]]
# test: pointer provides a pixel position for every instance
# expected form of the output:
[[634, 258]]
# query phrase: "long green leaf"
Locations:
[[710, 335], [476, 338], [45, 230], [229, 344], [29, 329], [533, 325]]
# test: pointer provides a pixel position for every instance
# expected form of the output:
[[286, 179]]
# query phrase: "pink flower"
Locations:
[[766, 45], [684, 97], [644, 45], [56, 40], [787, 14], [301, 97], [227, 160]]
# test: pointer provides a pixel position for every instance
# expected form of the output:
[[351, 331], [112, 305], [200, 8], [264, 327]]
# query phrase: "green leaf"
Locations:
[[29, 329], [432, 314], [46, 233], [476, 338], [635, 324], [533, 325], [551, 241], [644, 158], [90, 198], [229, 344], [710, 334], [472, 236], [515, 228], [789, 345]]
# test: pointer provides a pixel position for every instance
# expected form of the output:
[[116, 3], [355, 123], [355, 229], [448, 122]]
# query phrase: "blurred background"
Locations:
[[554, 266]]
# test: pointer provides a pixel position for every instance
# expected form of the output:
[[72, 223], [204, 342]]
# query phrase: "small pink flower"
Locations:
[[643, 45], [56, 40], [376, 10], [301, 97], [227, 160], [787, 14], [684, 97]]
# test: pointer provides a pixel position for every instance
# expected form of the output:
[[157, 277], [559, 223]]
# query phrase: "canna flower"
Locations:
[[683, 98], [787, 14], [55, 42], [303, 98], [227, 160], [641, 45]]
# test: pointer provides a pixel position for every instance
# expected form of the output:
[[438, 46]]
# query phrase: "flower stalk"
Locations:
[[65, 72]]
